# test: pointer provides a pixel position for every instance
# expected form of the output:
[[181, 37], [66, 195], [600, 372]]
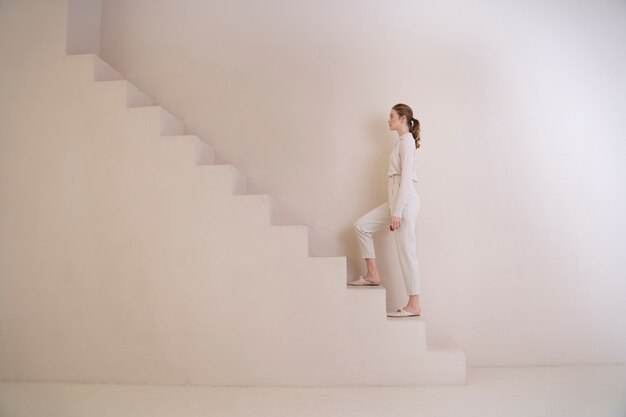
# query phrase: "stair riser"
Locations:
[[182, 152], [153, 121]]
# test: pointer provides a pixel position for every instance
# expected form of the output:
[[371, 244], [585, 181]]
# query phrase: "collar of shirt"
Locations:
[[400, 138]]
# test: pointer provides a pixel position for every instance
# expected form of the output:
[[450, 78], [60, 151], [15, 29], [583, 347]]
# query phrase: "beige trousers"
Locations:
[[379, 218]]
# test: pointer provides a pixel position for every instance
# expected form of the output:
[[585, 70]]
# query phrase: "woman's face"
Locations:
[[394, 120]]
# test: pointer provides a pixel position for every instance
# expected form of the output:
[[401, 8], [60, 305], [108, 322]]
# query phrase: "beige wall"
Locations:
[[521, 233]]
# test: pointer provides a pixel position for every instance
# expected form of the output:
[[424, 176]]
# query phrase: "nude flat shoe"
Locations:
[[362, 281], [401, 313]]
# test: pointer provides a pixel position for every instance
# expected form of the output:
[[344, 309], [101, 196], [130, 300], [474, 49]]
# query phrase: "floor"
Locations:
[[572, 391]]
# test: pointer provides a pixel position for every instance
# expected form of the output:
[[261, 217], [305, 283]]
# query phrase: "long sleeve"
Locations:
[[407, 159]]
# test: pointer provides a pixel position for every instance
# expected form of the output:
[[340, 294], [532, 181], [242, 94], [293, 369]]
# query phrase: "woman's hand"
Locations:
[[395, 223]]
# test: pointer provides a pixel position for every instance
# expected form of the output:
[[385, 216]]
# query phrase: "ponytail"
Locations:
[[415, 131]]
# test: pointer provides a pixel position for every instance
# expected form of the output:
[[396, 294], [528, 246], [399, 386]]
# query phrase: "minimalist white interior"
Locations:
[[193, 224]]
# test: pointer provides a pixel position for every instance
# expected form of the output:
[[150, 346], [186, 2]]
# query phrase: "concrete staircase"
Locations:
[[198, 284]]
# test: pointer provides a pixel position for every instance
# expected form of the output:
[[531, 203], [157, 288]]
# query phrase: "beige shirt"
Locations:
[[402, 160]]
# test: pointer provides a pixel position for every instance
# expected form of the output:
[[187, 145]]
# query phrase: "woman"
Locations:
[[399, 212]]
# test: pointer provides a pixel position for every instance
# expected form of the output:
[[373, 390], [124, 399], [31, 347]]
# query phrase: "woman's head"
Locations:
[[401, 118]]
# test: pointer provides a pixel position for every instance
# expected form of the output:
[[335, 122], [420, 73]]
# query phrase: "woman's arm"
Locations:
[[407, 157]]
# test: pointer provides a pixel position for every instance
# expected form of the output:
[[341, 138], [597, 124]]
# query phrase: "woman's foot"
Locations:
[[413, 309], [373, 279]]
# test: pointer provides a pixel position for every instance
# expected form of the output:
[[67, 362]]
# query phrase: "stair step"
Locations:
[[81, 67], [220, 180], [137, 98], [287, 244], [254, 209], [329, 272], [103, 76], [294, 239], [410, 330], [367, 307], [442, 343], [103, 71], [170, 124], [205, 153], [125, 93], [160, 121], [184, 151]]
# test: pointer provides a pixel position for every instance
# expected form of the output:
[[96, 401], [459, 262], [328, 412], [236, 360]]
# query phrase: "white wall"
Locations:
[[521, 233]]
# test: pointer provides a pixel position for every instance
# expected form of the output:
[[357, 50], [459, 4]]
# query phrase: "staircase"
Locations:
[[200, 285]]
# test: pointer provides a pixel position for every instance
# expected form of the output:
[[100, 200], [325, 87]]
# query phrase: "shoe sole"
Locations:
[[364, 285]]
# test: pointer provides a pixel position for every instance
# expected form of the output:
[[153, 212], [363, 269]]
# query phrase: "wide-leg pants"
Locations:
[[380, 218]]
